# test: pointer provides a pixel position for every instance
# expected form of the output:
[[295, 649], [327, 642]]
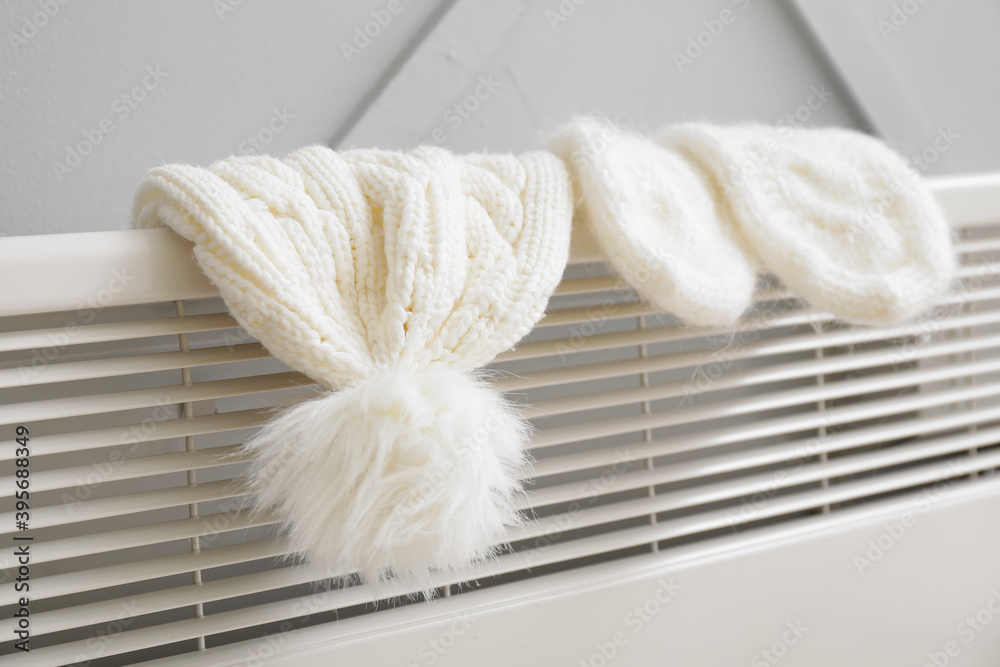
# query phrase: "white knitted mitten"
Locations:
[[390, 278]]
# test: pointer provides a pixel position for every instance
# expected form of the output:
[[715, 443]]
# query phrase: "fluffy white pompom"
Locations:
[[396, 476]]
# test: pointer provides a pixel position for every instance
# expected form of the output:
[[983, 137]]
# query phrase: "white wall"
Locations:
[[921, 70], [609, 58], [227, 72]]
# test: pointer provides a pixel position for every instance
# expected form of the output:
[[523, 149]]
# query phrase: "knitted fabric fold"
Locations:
[[389, 278]]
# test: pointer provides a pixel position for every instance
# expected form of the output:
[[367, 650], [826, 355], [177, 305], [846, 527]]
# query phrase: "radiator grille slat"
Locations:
[[648, 434]]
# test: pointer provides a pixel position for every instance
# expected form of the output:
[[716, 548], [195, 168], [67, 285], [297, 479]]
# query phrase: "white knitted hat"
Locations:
[[658, 222], [387, 277], [687, 219], [836, 214]]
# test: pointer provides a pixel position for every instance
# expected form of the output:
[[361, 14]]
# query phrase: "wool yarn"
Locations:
[[840, 218], [658, 222], [389, 278]]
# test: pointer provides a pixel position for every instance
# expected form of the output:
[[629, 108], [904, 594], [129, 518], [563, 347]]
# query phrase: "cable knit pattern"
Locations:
[[387, 276], [343, 263], [391, 277], [838, 216]]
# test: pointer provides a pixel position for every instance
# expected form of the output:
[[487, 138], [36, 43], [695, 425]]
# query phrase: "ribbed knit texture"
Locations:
[[401, 271], [391, 277]]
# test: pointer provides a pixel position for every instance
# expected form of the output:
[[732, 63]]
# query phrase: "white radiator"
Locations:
[[798, 492]]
